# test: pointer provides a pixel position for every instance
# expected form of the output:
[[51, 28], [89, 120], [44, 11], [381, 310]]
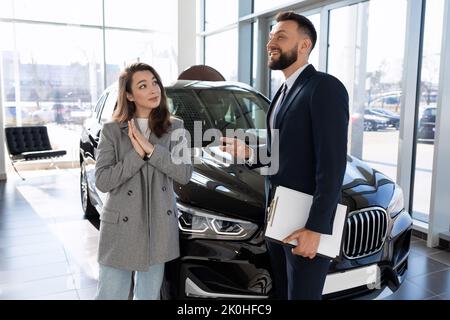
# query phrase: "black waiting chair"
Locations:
[[29, 143]]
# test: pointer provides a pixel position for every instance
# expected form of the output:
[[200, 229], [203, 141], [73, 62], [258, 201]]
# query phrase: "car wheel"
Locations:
[[88, 209], [374, 126], [368, 126]]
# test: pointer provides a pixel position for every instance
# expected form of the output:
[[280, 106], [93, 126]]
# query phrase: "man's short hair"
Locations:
[[303, 23]]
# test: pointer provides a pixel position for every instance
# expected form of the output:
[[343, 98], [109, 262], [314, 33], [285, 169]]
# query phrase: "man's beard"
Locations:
[[285, 59]]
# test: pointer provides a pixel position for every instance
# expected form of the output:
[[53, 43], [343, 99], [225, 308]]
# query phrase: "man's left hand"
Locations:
[[308, 242]]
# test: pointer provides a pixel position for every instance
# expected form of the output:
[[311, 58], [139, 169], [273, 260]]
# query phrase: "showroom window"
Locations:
[[383, 83], [51, 83], [262, 5], [429, 87], [357, 55], [221, 53], [53, 62], [219, 13], [142, 14], [155, 48], [87, 12]]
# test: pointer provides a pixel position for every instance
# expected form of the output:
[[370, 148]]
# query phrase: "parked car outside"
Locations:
[[427, 124], [393, 118], [374, 122], [221, 210]]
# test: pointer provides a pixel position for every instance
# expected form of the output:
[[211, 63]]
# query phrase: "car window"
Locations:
[[218, 108], [108, 109], [185, 105]]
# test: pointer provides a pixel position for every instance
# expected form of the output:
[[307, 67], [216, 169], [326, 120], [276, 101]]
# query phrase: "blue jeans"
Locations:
[[115, 284]]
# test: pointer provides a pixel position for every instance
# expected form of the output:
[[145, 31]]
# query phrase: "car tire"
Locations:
[[88, 209], [369, 126]]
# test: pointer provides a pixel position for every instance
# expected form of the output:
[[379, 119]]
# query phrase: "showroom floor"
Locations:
[[48, 251]]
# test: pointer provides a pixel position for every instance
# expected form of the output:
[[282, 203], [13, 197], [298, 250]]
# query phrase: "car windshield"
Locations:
[[224, 108]]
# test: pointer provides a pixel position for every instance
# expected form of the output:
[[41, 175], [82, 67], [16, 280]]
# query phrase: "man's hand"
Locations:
[[139, 137], [308, 242], [235, 147]]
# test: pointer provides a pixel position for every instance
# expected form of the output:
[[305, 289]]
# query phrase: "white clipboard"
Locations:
[[289, 211]]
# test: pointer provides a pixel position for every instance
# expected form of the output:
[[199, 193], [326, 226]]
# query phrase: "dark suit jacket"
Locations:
[[313, 125]]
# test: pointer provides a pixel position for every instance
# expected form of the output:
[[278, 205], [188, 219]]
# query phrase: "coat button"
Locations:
[[169, 212], [125, 219], [130, 192], [164, 189]]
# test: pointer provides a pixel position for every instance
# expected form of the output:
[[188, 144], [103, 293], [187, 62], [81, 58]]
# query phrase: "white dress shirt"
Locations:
[[289, 83]]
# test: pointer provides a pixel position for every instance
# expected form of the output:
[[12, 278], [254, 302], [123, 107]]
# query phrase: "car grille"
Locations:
[[365, 232]]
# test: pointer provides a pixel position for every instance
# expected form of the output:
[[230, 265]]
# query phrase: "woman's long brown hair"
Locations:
[[159, 119]]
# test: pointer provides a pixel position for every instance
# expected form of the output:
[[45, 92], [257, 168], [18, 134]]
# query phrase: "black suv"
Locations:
[[221, 210]]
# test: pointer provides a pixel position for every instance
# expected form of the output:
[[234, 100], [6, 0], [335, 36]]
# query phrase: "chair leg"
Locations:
[[15, 169]]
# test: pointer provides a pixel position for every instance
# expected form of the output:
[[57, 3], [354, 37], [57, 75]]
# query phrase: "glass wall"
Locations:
[[383, 84], [224, 61], [262, 5], [358, 56], [429, 86], [219, 13], [52, 83], [154, 48], [52, 60], [67, 11]]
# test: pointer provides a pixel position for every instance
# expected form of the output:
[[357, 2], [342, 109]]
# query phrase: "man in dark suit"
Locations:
[[310, 112]]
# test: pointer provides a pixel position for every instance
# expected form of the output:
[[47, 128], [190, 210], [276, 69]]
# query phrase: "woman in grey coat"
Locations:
[[136, 165]]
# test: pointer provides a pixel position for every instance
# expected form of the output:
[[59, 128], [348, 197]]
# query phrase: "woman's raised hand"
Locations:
[[139, 137], [135, 142]]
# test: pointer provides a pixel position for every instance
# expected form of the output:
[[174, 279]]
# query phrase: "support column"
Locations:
[[245, 44], [187, 34], [439, 221], [409, 103], [2, 124]]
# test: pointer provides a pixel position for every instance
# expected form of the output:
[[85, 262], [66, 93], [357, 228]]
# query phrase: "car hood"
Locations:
[[228, 189], [238, 192]]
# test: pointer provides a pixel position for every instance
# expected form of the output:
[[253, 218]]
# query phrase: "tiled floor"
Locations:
[[48, 251]]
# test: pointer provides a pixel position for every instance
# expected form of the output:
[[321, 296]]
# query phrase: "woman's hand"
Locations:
[[135, 143], [138, 136]]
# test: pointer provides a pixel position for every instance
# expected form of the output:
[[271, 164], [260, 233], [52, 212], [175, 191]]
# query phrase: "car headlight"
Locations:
[[199, 223], [397, 202]]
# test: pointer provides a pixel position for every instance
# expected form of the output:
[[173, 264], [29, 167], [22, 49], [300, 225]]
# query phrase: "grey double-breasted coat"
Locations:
[[139, 224]]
